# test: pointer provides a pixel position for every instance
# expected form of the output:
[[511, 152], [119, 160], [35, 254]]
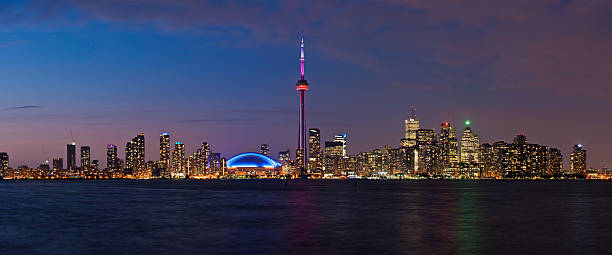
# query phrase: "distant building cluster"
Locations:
[[426, 153], [422, 153]]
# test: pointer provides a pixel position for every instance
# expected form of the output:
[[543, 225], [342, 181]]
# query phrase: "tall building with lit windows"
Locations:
[[164, 151], [71, 156], [449, 149], [111, 158], [178, 160], [135, 154], [140, 151], [427, 147], [555, 161], [411, 127], [4, 163], [315, 155], [469, 152], [578, 160], [341, 138], [85, 157], [333, 157], [205, 156]]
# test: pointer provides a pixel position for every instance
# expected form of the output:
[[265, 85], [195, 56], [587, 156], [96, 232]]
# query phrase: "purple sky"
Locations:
[[225, 72]]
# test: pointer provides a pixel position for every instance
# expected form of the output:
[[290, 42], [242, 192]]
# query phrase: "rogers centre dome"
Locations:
[[253, 165], [252, 160]]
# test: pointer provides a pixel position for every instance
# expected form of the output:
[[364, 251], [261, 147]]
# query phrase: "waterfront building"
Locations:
[[164, 152], [253, 165], [449, 150], [4, 163], [204, 156], [333, 157], [555, 161], [178, 160], [111, 158], [315, 154], [215, 163], [71, 156], [578, 160], [85, 158], [428, 152], [469, 153], [411, 126]]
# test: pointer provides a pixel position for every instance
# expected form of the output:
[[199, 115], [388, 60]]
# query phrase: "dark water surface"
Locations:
[[305, 217]]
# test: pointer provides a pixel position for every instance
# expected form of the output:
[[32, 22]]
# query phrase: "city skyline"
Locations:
[[114, 76]]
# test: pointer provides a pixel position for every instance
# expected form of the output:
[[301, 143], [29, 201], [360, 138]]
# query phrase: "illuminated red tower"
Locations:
[[302, 87]]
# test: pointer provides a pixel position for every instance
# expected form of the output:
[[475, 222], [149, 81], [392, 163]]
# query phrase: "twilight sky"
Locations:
[[225, 72]]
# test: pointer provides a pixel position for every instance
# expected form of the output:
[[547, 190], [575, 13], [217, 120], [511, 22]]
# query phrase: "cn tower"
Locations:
[[302, 87]]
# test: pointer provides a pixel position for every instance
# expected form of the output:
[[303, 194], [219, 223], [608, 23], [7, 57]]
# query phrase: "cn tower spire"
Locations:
[[302, 59]]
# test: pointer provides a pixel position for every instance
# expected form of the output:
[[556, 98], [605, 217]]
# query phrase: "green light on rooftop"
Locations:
[[467, 122]]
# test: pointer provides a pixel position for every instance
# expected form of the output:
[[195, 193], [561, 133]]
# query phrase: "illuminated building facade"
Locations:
[[205, 155], [164, 152], [4, 163], [111, 158], [449, 150], [253, 165], [178, 160], [469, 153], [578, 160], [333, 157], [411, 126], [71, 156], [315, 154], [85, 157], [555, 161], [215, 163], [427, 147]]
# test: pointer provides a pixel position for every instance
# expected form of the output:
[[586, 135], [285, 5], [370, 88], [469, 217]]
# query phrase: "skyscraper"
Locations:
[[111, 158], [205, 156], [333, 157], [427, 147], [4, 163], [469, 152], [135, 154], [555, 161], [71, 156], [315, 155], [215, 163], [341, 138], [578, 160], [164, 150], [449, 149], [411, 126], [178, 160], [302, 87], [85, 157], [58, 164], [140, 152], [264, 149]]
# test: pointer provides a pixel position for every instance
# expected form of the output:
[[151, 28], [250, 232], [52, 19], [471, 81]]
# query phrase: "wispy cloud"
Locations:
[[211, 120], [9, 43], [23, 107]]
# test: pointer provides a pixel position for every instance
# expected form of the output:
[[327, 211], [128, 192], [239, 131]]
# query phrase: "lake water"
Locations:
[[305, 217]]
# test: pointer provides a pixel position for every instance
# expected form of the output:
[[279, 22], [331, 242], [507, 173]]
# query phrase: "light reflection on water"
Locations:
[[304, 217]]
